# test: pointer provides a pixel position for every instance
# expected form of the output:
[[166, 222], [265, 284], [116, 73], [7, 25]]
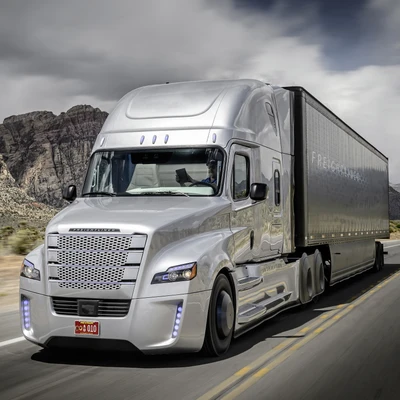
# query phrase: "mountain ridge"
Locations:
[[16, 206], [45, 152]]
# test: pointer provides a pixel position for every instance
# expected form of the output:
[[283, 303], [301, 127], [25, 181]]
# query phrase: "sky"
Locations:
[[55, 54]]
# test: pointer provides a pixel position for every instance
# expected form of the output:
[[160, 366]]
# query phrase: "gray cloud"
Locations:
[[108, 49], [56, 54]]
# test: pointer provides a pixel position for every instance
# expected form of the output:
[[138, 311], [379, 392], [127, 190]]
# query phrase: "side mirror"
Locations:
[[258, 191], [69, 193]]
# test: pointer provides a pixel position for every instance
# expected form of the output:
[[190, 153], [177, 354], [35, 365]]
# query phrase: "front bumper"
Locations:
[[148, 326]]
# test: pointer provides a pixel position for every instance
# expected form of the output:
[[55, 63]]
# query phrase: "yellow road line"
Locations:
[[282, 357], [287, 353], [237, 376], [331, 316]]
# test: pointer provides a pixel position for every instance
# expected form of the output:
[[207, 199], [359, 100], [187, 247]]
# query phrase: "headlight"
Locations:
[[179, 273], [29, 271]]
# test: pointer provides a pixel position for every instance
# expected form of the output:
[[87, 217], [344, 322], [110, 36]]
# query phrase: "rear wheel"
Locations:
[[379, 257], [319, 273], [306, 280], [221, 318]]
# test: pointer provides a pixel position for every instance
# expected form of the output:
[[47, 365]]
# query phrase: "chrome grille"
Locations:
[[97, 258], [94, 261], [91, 274], [106, 308], [94, 242], [89, 285]]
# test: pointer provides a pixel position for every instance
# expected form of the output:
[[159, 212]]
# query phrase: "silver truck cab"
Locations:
[[178, 239]]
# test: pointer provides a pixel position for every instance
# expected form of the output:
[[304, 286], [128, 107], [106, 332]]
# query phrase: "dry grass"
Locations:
[[395, 235], [9, 282]]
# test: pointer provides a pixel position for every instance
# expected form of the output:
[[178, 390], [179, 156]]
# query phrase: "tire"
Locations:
[[306, 280], [221, 318], [379, 258], [319, 282]]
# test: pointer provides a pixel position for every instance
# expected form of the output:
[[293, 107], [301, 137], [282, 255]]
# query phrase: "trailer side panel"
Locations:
[[341, 180]]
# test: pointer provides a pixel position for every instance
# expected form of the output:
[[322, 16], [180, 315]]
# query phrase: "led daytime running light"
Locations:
[[178, 320], [26, 312]]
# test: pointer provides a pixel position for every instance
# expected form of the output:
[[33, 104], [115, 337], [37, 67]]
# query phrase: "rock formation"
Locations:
[[16, 206], [45, 152], [394, 204]]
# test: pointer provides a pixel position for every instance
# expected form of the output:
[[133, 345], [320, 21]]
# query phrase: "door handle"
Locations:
[[251, 240]]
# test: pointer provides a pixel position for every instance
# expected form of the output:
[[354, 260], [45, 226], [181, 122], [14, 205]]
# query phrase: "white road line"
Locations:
[[388, 247], [12, 341]]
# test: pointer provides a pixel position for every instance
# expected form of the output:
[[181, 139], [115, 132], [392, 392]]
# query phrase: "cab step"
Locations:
[[249, 282], [251, 312]]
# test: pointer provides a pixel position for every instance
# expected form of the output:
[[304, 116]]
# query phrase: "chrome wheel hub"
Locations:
[[225, 314]]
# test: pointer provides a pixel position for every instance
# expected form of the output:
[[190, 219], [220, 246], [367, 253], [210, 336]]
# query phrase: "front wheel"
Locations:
[[221, 318]]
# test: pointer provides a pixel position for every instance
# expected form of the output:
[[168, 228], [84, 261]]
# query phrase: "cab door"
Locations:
[[240, 175]]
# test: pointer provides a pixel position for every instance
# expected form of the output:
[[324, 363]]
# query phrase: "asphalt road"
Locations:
[[346, 346]]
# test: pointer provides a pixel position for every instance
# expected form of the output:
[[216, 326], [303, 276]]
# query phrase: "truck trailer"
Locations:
[[207, 208]]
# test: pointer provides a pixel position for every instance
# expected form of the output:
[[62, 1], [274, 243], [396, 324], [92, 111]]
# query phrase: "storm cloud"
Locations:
[[56, 54]]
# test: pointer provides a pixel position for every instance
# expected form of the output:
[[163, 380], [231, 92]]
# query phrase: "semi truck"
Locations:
[[208, 207]]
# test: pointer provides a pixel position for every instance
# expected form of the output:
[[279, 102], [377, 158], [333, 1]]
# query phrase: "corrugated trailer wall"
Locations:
[[341, 181]]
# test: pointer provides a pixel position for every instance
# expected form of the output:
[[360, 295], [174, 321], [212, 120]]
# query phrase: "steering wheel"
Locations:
[[204, 184]]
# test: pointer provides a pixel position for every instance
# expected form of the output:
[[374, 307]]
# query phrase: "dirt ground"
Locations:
[[9, 282], [395, 235]]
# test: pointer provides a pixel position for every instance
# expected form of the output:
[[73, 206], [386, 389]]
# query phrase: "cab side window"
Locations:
[[241, 177]]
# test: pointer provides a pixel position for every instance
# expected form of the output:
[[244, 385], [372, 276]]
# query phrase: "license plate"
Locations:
[[87, 328]]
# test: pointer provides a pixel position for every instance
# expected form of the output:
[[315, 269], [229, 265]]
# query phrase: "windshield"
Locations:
[[185, 172]]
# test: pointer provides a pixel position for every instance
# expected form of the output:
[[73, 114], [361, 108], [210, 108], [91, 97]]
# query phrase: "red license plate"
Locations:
[[87, 328]]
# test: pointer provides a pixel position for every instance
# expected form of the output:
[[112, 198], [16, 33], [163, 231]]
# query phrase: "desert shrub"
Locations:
[[25, 240], [6, 232]]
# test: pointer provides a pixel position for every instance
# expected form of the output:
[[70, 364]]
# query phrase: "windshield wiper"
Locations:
[[99, 194], [161, 193]]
